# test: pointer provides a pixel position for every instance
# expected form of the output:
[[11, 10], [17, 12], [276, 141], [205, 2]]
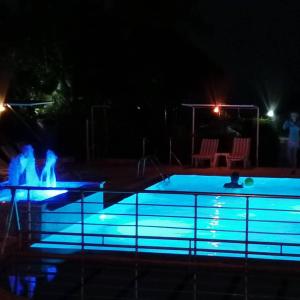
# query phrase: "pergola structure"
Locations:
[[224, 106], [28, 104], [11, 105]]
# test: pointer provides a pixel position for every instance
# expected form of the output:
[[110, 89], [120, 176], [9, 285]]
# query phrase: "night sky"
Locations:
[[141, 57], [257, 42], [171, 51]]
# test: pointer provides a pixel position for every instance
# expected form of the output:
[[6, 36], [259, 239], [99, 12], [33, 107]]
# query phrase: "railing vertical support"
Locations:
[[195, 223], [29, 220], [247, 227], [82, 279], [136, 223], [13, 208], [136, 272], [246, 249], [195, 284], [82, 220], [195, 246], [136, 281]]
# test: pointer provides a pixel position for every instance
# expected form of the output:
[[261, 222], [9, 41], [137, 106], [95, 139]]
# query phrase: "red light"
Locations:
[[216, 109]]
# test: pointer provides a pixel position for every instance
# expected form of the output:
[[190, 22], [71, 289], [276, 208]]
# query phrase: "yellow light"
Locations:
[[2, 108]]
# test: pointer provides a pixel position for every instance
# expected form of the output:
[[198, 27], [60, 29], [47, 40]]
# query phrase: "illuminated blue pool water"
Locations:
[[166, 222]]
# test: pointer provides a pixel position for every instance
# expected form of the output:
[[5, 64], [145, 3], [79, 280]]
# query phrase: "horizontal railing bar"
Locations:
[[162, 216], [251, 208], [221, 219], [158, 247], [168, 192], [142, 215], [156, 226], [113, 225], [274, 221], [79, 223], [164, 205], [275, 233], [117, 214], [169, 227], [168, 216], [249, 252], [109, 235], [34, 205], [222, 230], [133, 225], [220, 207], [86, 244], [274, 209], [171, 238]]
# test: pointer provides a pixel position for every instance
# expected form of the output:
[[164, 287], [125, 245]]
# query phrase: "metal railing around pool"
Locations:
[[144, 221]]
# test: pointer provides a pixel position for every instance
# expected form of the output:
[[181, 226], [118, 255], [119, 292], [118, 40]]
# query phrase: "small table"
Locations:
[[217, 156]]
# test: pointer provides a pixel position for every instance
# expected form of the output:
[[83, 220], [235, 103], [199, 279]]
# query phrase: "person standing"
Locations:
[[293, 126]]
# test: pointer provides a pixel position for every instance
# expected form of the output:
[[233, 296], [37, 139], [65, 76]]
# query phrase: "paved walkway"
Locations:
[[123, 173]]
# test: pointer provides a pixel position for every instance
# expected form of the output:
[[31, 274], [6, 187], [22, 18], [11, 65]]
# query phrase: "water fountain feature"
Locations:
[[48, 177], [22, 172], [57, 204], [22, 169]]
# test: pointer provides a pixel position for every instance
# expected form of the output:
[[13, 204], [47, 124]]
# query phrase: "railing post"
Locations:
[[195, 224], [82, 220], [136, 281], [136, 223], [195, 289], [29, 220], [246, 249], [247, 227], [195, 246], [12, 208], [82, 279]]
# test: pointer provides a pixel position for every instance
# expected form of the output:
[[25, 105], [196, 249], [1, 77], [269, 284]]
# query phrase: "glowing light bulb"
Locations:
[[216, 109], [2, 108], [271, 113]]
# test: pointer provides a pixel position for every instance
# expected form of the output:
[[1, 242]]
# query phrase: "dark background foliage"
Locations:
[[140, 60]]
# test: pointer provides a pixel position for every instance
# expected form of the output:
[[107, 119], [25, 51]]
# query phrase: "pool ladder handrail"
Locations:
[[154, 161]]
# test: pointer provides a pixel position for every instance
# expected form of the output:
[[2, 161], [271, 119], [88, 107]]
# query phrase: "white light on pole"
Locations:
[[271, 113]]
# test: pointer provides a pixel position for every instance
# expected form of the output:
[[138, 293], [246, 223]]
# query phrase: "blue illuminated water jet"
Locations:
[[48, 177], [22, 169]]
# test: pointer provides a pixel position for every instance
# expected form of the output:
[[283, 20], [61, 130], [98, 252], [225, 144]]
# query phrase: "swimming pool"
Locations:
[[188, 223]]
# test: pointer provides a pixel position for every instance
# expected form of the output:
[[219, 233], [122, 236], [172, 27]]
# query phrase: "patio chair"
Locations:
[[240, 152], [208, 149]]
